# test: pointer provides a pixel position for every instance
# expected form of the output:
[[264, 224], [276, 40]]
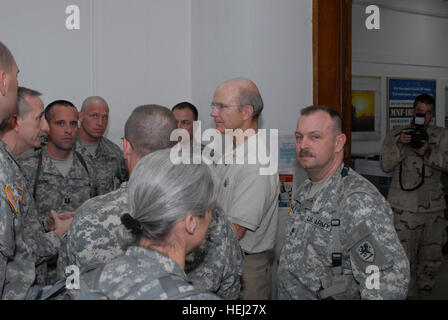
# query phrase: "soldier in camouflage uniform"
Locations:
[[17, 265], [217, 264], [52, 188], [17, 272], [340, 228], [92, 237], [170, 211], [29, 126], [106, 156], [416, 195]]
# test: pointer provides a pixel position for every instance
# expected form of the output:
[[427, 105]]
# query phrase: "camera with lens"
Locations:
[[417, 132]]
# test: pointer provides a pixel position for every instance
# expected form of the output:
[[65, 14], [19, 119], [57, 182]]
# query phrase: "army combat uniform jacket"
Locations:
[[54, 191], [93, 238], [109, 164], [17, 272], [429, 197], [368, 242], [43, 244], [139, 275]]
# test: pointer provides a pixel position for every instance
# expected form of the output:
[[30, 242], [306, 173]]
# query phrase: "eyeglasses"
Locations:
[[221, 107]]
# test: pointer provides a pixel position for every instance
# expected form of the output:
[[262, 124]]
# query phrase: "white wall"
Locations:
[[411, 44], [142, 55], [51, 59], [130, 52], [269, 42], [164, 51]]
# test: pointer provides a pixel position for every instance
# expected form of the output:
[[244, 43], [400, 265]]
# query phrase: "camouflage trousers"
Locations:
[[421, 236]]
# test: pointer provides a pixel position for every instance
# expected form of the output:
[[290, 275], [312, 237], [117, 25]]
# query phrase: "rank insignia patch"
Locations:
[[366, 251]]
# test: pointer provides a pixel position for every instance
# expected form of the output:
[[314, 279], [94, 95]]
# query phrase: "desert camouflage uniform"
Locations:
[[54, 191], [137, 276], [109, 163], [419, 214], [367, 237], [92, 239], [17, 271]]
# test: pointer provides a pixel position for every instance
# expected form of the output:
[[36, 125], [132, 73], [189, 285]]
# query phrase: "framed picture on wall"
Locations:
[[366, 108], [401, 95]]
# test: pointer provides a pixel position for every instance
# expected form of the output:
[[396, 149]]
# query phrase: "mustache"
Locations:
[[306, 153]]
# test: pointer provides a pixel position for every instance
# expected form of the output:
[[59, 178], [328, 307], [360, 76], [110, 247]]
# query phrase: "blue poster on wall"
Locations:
[[402, 93]]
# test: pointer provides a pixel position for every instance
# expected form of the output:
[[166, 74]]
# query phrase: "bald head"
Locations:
[[247, 92], [6, 58], [240, 83], [149, 129]]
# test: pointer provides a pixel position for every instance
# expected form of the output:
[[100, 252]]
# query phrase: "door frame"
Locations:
[[332, 60]]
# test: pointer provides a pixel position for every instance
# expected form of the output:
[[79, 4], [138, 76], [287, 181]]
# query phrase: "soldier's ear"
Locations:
[[3, 83], [248, 112], [127, 148], [15, 123], [81, 116], [190, 223], [340, 142]]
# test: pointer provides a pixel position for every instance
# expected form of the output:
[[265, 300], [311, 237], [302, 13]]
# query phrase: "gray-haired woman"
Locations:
[[170, 211]]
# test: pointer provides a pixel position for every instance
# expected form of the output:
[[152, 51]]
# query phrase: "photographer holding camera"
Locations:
[[417, 154]]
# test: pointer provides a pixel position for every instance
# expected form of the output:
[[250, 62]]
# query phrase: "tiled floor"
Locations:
[[440, 291]]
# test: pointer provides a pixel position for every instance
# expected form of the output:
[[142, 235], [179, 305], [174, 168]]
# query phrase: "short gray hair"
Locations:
[[253, 98], [333, 113], [161, 193], [149, 129], [93, 99], [23, 106]]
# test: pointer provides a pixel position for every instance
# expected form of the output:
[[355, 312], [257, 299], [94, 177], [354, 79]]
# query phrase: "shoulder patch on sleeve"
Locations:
[[366, 251], [11, 198]]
